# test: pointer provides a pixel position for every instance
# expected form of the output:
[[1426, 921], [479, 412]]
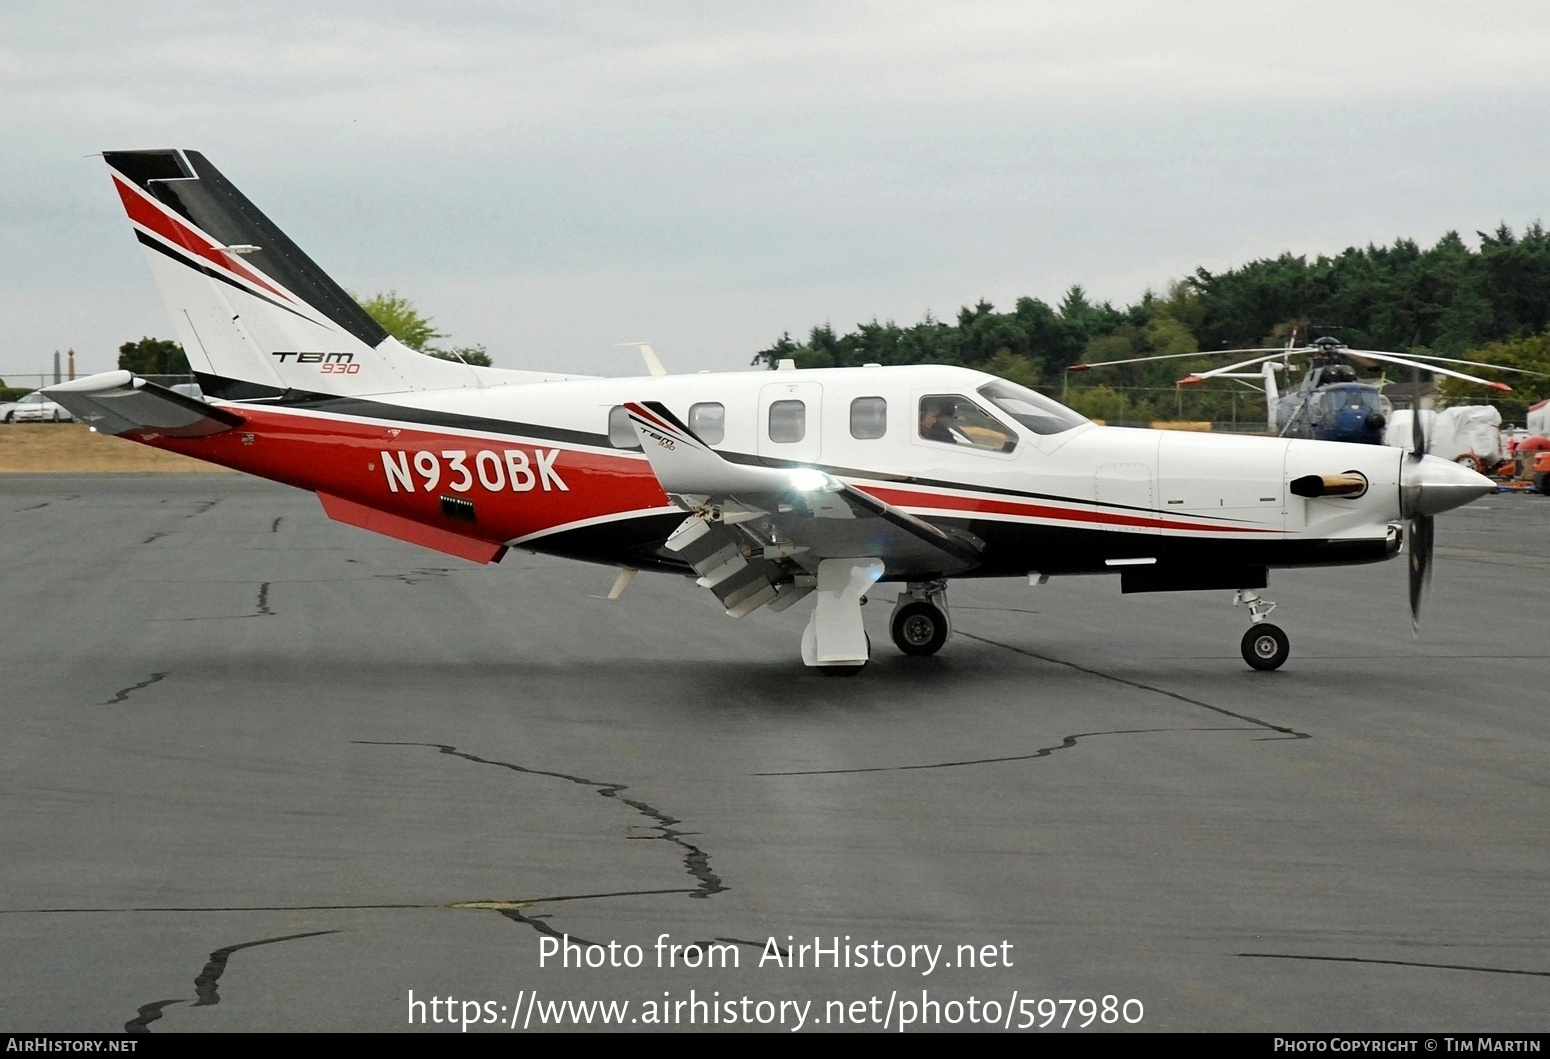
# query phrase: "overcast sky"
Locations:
[[551, 179]]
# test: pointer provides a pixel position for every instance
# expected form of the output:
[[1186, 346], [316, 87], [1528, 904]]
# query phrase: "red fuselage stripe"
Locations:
[[146, 214], [345, 457]]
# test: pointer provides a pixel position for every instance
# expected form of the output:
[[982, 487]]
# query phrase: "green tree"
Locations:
[[153, 356], [475, 355], [399, 318], [1447, 298]]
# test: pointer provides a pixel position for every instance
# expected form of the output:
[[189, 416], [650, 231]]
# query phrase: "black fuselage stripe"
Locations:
[[183, 259]]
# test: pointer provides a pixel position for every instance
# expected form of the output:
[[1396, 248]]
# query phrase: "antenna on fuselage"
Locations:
[[653, 365]]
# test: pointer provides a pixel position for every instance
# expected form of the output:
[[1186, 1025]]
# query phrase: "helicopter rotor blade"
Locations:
[[1278, 351], [1433, 368], [1201, 376], [1452, 360]]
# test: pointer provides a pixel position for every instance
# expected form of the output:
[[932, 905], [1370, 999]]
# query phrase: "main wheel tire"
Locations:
[[1265, 646], [1542, 483], [919, 628]]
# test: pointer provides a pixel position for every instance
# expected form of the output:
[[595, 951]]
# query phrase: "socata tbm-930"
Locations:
[[767, 487]]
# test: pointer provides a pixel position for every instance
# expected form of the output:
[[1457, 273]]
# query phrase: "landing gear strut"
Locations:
[[1265, 646], [920, 624]]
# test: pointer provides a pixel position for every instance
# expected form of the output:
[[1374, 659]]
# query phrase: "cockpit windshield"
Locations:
[[1033, 410], [1357, 399]]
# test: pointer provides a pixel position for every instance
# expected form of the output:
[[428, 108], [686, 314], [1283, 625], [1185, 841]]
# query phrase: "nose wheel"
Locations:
[[1264, 646]]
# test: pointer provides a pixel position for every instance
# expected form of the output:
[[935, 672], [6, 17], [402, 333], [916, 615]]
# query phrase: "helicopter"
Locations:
[[1330, 402]]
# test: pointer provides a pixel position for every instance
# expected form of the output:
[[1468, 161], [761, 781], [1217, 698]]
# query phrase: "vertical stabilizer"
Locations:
[[256, 315]]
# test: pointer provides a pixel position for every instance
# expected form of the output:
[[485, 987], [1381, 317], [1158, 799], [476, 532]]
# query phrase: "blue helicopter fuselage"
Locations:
[[1340, 411]]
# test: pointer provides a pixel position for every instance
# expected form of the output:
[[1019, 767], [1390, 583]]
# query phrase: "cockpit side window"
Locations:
[[953, 419]]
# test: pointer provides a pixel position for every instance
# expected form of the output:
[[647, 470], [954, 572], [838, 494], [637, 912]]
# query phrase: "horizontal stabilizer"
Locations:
[[116, 402]]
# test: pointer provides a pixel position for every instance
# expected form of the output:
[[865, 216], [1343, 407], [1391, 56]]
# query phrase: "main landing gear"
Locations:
[[920, 624], [834, 641], [1265, 646]]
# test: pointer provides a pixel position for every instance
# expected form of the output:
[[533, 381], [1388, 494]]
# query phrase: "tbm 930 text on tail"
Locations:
[[766, 487]]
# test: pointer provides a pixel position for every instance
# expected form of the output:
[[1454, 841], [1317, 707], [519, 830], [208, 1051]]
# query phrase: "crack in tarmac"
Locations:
[[1396, 963], [696, 861], [205, 983], [1044, 751], [275, 526], [46, 503], [263, 609], [1286, 732], [149, 1013], [414, 577], [122, 694], [485, 905]]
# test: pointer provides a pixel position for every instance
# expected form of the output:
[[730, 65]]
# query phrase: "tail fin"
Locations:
[[256, 315]]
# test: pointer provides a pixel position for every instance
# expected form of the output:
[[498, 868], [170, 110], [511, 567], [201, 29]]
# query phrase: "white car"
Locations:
[[34, 408]]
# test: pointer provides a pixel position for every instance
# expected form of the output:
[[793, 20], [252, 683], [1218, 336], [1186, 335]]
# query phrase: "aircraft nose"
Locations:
[[1432, 485]]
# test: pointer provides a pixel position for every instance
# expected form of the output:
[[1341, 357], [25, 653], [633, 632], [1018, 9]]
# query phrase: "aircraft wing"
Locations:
[[755, 534]]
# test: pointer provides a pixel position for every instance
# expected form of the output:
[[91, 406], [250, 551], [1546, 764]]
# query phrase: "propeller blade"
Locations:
[[1417, 434], [1420, 556]]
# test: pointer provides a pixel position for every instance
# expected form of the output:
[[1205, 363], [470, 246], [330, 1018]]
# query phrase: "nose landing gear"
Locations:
[[1264, 646], [920, 624]]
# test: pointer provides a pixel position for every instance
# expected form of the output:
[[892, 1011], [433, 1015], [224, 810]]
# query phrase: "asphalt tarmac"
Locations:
[[261, 771]]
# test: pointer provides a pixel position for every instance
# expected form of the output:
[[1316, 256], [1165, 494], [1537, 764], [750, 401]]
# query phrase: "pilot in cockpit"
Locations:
[[937, 417]]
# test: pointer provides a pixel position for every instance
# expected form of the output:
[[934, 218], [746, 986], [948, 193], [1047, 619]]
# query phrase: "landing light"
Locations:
[[807, 480]]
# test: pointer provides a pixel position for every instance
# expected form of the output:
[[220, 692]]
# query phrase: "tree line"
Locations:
[[1489, 303]]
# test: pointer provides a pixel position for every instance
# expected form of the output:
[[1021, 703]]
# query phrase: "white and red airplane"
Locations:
[[766, 486]]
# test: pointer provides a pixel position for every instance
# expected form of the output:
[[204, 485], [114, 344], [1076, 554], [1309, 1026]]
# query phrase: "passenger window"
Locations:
[[621, 433], [788, 421], [709, 420], [868, 418], [955, 420]]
